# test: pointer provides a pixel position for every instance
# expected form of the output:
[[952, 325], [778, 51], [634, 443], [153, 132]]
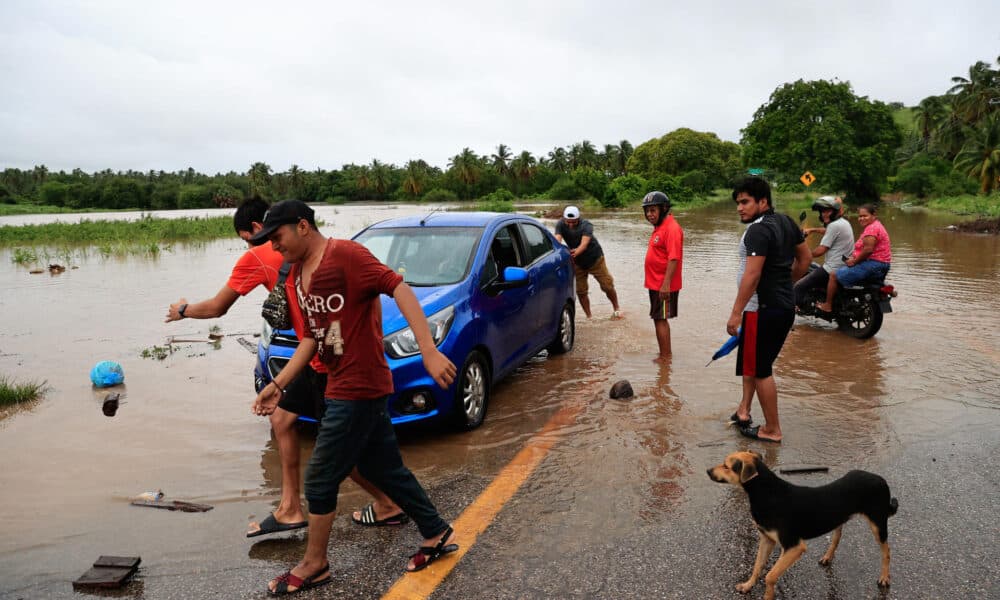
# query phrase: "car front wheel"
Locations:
[[566, 333], [473, 392]]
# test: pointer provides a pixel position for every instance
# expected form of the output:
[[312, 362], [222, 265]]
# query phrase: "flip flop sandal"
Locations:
[[368, 518], [752, 433], [287, 579], [735, 420], [428, 554], [272, 525]]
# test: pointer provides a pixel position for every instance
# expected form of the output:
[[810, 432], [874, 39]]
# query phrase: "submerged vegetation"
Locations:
[[12, 392], [147, 236]]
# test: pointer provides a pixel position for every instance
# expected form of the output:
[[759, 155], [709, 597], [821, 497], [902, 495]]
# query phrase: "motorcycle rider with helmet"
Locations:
[[836, 244]]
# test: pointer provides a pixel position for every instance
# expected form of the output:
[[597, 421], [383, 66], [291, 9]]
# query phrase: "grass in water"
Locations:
[[15, 393], [157, 352], [148, 233]]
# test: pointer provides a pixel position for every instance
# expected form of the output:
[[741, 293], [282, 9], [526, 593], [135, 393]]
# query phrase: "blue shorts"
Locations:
[[866, 270]]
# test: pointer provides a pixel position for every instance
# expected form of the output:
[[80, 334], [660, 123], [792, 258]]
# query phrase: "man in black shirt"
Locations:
[[773, 254], [588, 258]]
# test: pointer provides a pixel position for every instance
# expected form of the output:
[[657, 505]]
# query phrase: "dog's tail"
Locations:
[[893, 506]]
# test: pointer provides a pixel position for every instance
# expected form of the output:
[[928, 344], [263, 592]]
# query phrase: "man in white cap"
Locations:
[[588, 258]]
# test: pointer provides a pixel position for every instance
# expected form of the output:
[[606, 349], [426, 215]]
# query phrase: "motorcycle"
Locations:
[[858, 310]]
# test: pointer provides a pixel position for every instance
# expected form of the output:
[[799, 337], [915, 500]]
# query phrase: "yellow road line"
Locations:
[[478, 516]]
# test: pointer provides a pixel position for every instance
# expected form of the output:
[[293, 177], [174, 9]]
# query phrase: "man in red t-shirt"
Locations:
[[259, 266], [664, 257], [339, 284]]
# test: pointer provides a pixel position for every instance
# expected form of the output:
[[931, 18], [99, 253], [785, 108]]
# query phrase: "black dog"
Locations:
[[789, 514]]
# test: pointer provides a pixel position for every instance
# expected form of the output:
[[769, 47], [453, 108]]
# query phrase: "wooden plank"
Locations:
[[174, 505], [118, 562]]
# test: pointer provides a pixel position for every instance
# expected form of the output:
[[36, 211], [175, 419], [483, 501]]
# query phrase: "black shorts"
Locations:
[[304, 396], [761, 339], [662, 309]]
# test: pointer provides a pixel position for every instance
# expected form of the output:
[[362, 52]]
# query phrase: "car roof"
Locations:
[[447, 219]]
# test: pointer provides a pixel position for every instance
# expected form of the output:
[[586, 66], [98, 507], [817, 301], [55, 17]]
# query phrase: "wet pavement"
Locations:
[[621, 505]]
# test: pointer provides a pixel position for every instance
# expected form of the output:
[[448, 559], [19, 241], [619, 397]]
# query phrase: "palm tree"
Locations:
[[501, 160], [929, 115], [523, 166], [583, 154], [980, 156], [260, 179], [415, 178], [610, 160], [295, 180], [625, 152], [972, 95], [559, 159], [466, 166], [381, 177]]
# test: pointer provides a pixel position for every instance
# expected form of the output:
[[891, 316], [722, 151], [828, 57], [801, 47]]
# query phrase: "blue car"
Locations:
[[497, 289]]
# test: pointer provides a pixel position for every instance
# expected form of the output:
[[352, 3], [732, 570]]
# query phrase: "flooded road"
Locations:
[[623, 478]]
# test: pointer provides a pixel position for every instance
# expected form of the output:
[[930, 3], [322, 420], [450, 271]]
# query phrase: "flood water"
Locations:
[[184, 423]]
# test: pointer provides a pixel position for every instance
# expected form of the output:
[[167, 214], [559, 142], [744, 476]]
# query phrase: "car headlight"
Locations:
[[403, 343], [265, 335]]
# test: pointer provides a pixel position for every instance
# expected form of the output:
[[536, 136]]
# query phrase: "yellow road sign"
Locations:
[[807, 178]]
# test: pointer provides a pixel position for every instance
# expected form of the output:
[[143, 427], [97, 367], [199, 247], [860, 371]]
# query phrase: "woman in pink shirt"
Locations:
[[872, 255]]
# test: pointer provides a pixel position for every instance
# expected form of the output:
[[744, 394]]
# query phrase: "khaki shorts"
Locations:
[[662, 309], [600, 272]]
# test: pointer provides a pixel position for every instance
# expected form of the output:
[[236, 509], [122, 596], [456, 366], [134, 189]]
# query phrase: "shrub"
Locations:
[[625, 190], [591, 181], [440, 195], [696, 181], [672, 187], [565, 189], [499, 200]]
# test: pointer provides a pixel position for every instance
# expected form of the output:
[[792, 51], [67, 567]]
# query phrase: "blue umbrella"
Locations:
[[726, 348]]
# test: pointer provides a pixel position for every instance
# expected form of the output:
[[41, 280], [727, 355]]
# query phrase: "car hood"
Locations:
[[431, 298]]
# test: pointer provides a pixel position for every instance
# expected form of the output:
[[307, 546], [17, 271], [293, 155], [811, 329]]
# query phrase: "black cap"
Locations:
[[286, 212]]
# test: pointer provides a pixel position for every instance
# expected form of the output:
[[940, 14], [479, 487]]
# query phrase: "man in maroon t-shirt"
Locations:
[[339, 283], [259, 266]]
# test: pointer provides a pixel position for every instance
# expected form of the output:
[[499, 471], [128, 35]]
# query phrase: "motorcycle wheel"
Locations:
[[862, 321]]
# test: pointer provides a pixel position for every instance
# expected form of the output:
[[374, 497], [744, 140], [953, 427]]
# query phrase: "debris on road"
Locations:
[[108, 572]]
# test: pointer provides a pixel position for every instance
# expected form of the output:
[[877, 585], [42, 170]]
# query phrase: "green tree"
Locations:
[[260, 179], [466, 167], [846, 141], [523, 167], [980, 156], [973, 96], [501, 160], [685, 150], [415, 177], [558, 160], [194, 196]]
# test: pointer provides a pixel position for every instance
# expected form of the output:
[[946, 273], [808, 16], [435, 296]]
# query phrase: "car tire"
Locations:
[[472, 392], [566, 334]]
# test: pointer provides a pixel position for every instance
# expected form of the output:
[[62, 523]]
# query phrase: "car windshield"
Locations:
[[424, 256]]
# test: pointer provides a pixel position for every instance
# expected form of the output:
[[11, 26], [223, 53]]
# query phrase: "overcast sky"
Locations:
[[219, 85]]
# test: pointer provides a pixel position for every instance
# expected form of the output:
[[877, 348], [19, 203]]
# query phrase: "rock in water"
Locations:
[[110, 406], [622, 389]]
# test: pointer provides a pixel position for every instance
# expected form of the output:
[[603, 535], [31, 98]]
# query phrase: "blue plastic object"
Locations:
[[107, 373], [728, 347]]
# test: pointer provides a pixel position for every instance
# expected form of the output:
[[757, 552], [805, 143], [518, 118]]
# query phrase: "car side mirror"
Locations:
[[513, 277]]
